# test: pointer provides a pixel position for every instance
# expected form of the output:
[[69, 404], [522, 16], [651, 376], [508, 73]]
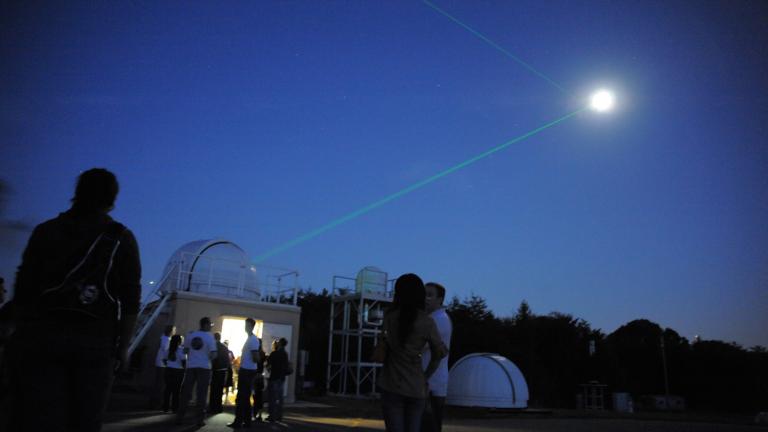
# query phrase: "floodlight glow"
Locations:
[[602, 101]]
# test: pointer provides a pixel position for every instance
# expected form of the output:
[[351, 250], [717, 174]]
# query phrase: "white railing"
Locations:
[[232, 278]]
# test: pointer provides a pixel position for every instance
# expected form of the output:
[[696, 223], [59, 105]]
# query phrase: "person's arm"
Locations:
[[379, 354], [446, 330], [256, 352], [279, 363], [285, 361], [28, 274], [127, 325], [213, 352], [436, 347]]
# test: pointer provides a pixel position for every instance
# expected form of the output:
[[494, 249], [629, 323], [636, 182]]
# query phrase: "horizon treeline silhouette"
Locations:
[[553, 352]]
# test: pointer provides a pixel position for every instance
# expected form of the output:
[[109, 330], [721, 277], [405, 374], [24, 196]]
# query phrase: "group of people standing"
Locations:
[[416, 337], [75, 306], [202, 361]]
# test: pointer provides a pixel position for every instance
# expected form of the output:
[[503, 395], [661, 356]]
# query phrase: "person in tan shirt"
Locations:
[[407, 329]]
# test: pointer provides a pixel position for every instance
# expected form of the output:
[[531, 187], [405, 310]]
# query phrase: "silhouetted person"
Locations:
[[432, 420], [175, 362], [162, 354], [200, 347], [219, 367], [249, 360], [6, 330], [258, 385], [7, 320], [277, 364], [77, 295], [407, 329], [230, 383]]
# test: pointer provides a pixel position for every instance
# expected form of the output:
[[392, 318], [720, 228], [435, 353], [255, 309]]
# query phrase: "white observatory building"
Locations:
[[215, 278]]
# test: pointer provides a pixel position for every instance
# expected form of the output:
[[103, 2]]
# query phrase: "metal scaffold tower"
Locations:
[[357, 312]]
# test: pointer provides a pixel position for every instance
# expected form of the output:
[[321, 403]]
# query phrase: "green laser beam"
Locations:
[[363, 210], [495, 45]]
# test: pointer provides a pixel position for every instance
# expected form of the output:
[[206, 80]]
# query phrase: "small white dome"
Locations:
[[216, 267], [487, 380]]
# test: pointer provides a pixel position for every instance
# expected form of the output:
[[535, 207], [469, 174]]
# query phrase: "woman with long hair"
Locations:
[[175, 363], [407, 329]]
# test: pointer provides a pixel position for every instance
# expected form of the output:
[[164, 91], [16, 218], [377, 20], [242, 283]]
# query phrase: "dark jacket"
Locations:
[[57, 245], [262, 359], [277, 362], [221, 362]]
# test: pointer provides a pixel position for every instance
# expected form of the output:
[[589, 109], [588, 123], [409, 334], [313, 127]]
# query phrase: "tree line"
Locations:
[[557, 353]]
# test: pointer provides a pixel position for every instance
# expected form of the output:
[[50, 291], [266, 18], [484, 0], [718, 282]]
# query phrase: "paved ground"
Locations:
[[330, 414]]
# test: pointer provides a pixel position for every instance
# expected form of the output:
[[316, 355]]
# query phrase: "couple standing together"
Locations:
[[414, 350]]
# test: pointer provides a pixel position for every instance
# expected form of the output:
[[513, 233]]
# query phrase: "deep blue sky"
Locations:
[[260, 121]]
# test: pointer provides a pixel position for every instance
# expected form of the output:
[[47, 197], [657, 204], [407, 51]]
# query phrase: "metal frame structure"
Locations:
[[355, 327]]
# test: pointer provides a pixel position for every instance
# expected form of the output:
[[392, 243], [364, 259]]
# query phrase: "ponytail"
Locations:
[[174, 346]]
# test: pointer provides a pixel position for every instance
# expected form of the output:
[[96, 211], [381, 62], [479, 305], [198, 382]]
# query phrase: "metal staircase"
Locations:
[[149, 312]]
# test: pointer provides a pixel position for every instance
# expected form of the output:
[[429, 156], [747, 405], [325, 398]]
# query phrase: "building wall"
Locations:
[[185, 310]]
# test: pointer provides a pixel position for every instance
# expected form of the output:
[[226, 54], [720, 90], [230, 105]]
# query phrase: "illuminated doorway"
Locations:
[[233, 331], [234, 336]]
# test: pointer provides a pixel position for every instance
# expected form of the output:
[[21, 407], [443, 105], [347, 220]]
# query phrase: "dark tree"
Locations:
[[475, 329], [313, 336], [524, 312]]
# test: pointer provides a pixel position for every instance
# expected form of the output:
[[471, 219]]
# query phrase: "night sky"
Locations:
[[261, 121]]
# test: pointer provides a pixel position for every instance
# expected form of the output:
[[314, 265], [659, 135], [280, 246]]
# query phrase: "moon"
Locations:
[[602, 100]]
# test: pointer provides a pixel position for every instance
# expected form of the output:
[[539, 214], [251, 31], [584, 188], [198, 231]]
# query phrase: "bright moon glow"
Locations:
[[602, 101]]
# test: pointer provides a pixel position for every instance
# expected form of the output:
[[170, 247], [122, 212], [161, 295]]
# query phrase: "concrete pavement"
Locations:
[[333, 414]]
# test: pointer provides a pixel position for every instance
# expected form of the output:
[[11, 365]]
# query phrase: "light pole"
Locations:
[[666, 378]]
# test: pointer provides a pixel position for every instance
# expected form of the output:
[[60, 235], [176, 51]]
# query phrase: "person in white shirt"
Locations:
[[175, 363], [432, 419], [162, 353], [249, 363], [200, 348]]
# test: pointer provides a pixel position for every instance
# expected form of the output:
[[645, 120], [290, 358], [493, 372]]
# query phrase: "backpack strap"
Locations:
[[113, 232], [96, 262], [111, 238]]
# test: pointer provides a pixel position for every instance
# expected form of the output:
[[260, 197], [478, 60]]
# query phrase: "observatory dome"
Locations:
[[487, 380], [214, 267]]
